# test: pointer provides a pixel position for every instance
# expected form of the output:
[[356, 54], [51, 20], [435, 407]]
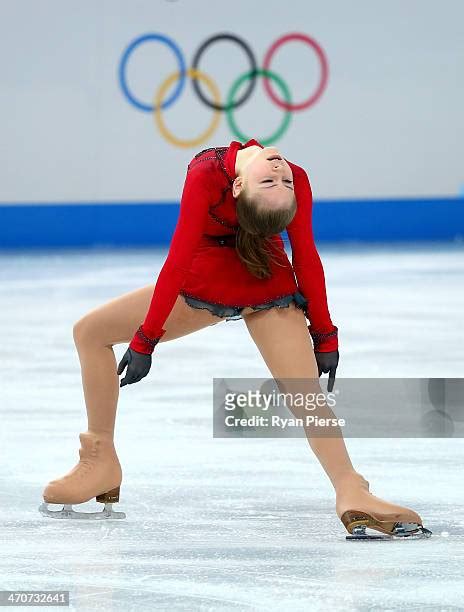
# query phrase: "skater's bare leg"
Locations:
[[98, 473], [283, 340], [116, 322]]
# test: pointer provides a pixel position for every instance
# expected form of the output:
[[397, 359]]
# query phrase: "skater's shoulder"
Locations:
[[207, 160]]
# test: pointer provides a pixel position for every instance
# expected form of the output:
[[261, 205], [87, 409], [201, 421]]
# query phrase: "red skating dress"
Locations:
[[203, 266]]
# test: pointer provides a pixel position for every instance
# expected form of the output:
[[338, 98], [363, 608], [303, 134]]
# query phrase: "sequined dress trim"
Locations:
[[233, 313], [219, 154]]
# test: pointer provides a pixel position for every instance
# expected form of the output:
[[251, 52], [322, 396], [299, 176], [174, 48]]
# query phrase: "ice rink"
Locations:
[[227, 524]]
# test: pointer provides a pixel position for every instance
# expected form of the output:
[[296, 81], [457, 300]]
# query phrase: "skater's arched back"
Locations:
[[209, 208]]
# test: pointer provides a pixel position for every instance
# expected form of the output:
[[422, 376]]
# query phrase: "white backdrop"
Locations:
[[389, 123]]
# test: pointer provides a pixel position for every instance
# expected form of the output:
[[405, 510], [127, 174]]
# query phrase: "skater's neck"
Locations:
[[244, 157]]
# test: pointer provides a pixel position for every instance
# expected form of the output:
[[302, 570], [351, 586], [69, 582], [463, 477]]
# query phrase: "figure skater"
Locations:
[[226, 261]]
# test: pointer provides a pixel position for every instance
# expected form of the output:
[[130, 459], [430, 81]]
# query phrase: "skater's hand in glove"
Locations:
[[138, 366], [327, 362]]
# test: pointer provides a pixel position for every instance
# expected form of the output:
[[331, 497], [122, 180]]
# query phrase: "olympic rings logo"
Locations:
[[161, 102]]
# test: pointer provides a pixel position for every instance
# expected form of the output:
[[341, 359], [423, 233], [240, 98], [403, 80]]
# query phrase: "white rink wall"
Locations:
[[388, 124]]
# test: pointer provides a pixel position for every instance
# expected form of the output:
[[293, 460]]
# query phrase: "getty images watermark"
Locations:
[[356, 407], [267, 403]]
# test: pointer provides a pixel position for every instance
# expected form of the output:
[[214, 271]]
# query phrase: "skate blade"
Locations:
[[356, 522], [67, 512], [400, 531]]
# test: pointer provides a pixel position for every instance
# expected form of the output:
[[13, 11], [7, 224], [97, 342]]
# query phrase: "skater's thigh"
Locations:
[[116, 321], [282, 337]]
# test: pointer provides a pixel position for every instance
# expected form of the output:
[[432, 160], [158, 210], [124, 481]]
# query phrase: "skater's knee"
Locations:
[[79, 330], [85, 330]]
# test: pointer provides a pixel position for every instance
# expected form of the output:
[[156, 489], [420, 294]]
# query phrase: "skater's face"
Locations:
[[268, 176]]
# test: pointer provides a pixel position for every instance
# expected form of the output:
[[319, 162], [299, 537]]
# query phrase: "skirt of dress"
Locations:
[[233, 313], [220, 282]]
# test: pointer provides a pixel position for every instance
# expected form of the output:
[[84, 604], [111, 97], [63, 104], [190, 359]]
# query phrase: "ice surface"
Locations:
[[226, 524]]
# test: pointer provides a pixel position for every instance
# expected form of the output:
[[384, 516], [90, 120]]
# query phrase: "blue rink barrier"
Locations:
[[109, 224]]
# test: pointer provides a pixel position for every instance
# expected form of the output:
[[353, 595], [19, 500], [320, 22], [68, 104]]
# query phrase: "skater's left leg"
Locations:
[[282, 338]]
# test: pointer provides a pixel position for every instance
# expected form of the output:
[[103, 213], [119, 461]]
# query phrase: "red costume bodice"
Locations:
[[197, 268]]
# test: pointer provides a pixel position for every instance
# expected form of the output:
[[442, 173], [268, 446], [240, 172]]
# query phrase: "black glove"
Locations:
[[328, 362], [138, 366]]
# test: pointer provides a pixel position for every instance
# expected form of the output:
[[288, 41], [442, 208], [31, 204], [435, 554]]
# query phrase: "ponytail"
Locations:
[[256, 226]]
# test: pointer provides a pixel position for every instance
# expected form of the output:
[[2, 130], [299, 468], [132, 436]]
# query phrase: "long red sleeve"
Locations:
[[195, 201], [307, 264]]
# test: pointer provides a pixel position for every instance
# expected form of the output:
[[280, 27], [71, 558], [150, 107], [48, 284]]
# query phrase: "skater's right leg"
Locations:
[[98, 473], [116, 322]]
